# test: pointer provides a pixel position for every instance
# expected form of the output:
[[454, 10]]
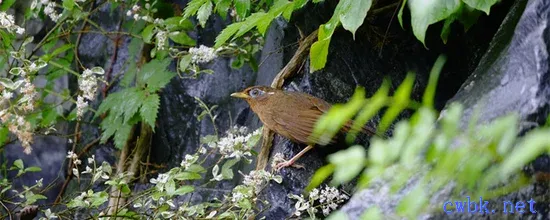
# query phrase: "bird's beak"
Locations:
[[239, 95]]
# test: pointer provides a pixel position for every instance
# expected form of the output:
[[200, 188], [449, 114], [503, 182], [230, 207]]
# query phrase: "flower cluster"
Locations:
[[22, 129], [188, 161], [8, 22], [258, 179], [136, 12], [202, 54], [162, 39], [88, 85], [237, 143], [49, 8], [328, 199]]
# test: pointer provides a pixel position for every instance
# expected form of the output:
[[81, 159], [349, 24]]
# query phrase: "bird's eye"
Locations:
[[255, 92]]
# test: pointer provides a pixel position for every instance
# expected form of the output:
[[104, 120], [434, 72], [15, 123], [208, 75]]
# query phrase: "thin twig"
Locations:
[[7, 210]]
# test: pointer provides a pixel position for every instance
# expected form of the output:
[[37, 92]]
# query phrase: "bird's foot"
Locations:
[[287, 163]]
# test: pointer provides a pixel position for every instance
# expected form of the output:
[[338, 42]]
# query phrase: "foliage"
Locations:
[[485, 160]]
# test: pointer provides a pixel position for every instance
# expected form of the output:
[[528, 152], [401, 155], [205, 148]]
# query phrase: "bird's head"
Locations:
[[255, 94]]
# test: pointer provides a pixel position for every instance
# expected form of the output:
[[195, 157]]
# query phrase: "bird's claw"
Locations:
[[289, 163]]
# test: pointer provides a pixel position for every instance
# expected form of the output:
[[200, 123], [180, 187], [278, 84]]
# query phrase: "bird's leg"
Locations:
[[293, 159]]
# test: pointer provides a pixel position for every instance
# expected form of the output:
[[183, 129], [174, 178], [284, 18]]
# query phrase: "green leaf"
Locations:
[[149, 109], [250, 22], [242, 7], [182, 38], [121, 136], [184, 62], [187, 176], [133, 98], [222, 6], [331, 122], [400, 102], [6, 4], [4, 135], [413, 203], [33, 169], [372, 213], [320, 176], [369, 110], [68, 4], [178, 24], [184, 190], [148, 33], [318, 54], [18, 164], [227, 33], [337, 215], [425, 13], [204, 12], [57, 51], [155, 74], [195, 168], [354, 13], [532, 145], [482, 5], [170, 187], [49, 117], [429, 93], [227, 171], [400, 14], [192, 8], [348, 163]]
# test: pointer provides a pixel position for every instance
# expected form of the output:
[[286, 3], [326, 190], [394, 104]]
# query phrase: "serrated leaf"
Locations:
[[178, 24], [148, 33], [182, 38], [133, 98], [192, 8], [425, 13], [227, 33], [149, 109], [353, 13], [250, 22], [49, 117], [121, 135], [242, 7], [204, 12], [222, 6]]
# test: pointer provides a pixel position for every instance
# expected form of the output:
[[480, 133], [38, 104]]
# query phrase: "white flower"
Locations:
[[129, 13], [81, 106], [72, 155], [91, 159], [19, 30], [161, 179], [7, 95], [202, 54], [88, 84], [75, 172], [162, 36], [88, 170], [44, 2], [135, 8]]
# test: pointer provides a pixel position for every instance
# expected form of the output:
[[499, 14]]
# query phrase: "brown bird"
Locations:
[[290, 114]]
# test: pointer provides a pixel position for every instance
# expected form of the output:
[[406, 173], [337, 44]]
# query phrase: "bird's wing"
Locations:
[[298, 124]]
